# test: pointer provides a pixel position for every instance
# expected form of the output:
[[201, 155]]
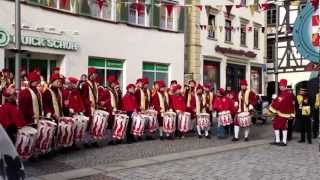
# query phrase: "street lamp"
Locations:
[[17, 44]]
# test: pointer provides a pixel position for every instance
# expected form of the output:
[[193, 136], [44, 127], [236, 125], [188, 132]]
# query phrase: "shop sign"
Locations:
[[224, 50], [6, 38], [114, 64]]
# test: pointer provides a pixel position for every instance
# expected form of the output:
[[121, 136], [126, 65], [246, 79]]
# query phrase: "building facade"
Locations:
[[228, 46], [128, 39]]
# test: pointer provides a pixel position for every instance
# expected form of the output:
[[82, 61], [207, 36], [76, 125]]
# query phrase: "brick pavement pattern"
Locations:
[[296, 161]]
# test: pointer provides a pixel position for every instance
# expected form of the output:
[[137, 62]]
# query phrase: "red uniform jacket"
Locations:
[[155, 102], [246, 101], [74, 99], [208, 99], [283, 105], [49, 102], [177, 103], [85, 93], [193, 107], [142, 105], [26, 104], [102, 98], [129, 103], [10, 114], [221, 103]]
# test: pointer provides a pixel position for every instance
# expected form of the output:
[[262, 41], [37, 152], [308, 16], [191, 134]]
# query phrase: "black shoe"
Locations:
[[199, 136], [315, 136], [275, 143], [161, 138], [310, 142], [112, 143], [235, 139], [149, 138], [301, 141], [289, 139], [87, 145], [208, 137], [170, 138], [282, 144], [246, 139]]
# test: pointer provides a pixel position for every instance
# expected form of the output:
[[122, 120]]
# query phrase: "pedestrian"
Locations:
[[283, 108], [306, 121], [316, 117]]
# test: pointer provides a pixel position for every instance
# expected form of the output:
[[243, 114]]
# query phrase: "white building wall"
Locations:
[[101, 39]]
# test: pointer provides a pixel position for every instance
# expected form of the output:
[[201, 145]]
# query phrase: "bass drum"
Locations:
[[99, 124], [120, 126], [169, 122], [46, 130], [81, 124], [26, 140], [184, 122], [65, 135]]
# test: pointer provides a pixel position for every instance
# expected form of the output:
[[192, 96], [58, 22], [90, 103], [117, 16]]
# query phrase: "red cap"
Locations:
[[5, 70], [55, 77], [174, 82], [221, 91], [145, 80], [130, 86], [73, 80], [243, 82], [162, 84], [283, 82], [176, 87], [140, 81], [207, 85], [56, 68], [190, 81], [22, 69], [92, 70], [99, 80], [33, 76], [112, 79], [10, 91]]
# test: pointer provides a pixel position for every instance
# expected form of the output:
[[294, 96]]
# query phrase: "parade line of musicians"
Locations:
[[67, 111]]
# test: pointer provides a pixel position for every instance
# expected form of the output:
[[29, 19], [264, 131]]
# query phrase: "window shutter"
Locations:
[[124, 11], [155, 14], [181, 20]]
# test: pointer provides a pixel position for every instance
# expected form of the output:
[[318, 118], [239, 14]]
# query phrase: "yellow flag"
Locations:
[[253, 8]]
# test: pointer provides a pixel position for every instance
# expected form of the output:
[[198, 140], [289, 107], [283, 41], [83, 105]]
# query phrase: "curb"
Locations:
[[122, 165]]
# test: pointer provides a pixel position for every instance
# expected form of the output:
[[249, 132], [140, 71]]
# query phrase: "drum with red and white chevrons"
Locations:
[[25, 142], [243, 119], [224, 118], [45, 135], [184, 121], [81, 124], [169, 122], [65, 135], [203, 120], [138, 124], [120, 126]]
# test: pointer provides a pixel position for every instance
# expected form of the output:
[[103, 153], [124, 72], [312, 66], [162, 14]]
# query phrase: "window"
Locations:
[[211, 73], [271, 16], [243, 35], [107, 9], [155, 72], [256, 80], [107, 67], [270, 52], [166, 17], [138, 12], [255, 38], [212, 26], [243, 2], [234, 74], [44, 65], [228, 31]]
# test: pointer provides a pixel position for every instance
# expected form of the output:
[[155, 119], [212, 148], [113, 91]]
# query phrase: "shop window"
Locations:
[[107, 67], [256, 79], [155, 72], [228, 31], [45, 66], [243, 35], [212, 26], [234, 74], [271, 16], [211, 73], [255, 38]]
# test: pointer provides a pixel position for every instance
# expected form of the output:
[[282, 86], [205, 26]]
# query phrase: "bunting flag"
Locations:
[[169, 8], [63, 3], [265, 6], [100, 4], [199, 7], [253, 8], [295, 3], [228, 8], [249, 29], [315, 24], [315, 4]]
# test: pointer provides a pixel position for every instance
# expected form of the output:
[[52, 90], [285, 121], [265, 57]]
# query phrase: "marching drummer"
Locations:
[[52, 98], [147, 91], [178, 105], [141, 95], [130, 106], [72, 97], [30, 100], [159, 103], [246, 103], [11, 117]]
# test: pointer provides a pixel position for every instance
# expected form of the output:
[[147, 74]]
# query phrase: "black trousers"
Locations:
[[128, 131], [315, 125], [306, 128]]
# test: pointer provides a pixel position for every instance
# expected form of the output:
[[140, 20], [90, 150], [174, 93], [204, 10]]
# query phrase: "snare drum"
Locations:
[[99, 124], [224, 118], [203, 120], [184, 122], [65, 135], [169, 122], [81, 124], [120, 126], [26, 140], [138, 124], [46, 130], [152, 123], [244, 119]]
